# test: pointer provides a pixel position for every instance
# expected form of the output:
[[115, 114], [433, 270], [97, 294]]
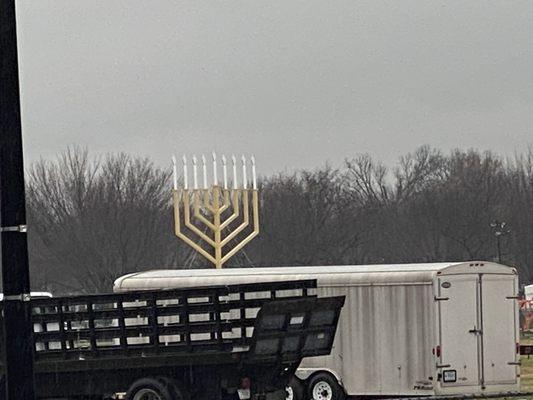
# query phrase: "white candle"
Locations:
[[215, 175], [185, 174], [244, 177], [225, 171], [195, 172], [175, 172], [234, 160], [254, 178], [204, 166]]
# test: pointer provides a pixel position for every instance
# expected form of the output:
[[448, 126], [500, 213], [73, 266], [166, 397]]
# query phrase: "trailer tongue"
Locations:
[[200, 343]]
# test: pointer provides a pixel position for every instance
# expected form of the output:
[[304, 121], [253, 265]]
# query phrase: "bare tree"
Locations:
[[305, 220], [92, 221], [517, 211], [366, 181], [419, 172]]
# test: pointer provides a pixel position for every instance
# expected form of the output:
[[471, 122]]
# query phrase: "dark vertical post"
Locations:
[[499, 249], [18, 347]]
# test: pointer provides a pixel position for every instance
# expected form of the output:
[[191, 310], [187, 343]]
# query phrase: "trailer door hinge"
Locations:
[[19, 297], [437, 298], [514, 363], [17, 228], [513, 297], [443, 365]]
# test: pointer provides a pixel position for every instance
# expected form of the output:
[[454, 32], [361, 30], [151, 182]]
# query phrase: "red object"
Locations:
[[436, 351], [526, 311], [246, 383]]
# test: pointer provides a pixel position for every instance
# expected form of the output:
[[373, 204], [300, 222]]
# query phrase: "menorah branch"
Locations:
[[191, 226], [247, 239], [181, 235], [198, 214], [210, 206], [236, 211], [244, 224], [226, 201], [207, 203]]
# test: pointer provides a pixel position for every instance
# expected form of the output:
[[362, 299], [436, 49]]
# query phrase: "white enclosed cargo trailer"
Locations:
[[410, 329]]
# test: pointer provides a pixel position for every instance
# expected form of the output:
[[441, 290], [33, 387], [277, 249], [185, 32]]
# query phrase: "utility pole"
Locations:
[[17, 329], [499, 229]]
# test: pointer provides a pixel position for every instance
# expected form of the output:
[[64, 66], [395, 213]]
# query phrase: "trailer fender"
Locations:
[[305, 373]]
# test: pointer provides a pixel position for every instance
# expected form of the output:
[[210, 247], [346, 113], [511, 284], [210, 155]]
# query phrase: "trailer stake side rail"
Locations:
[[102, 344], [189, 321]]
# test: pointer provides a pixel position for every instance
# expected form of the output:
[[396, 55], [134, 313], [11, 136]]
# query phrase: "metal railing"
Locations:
[[211, 319]]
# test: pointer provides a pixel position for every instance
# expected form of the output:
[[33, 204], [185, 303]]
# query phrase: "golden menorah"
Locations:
[[217, 208]]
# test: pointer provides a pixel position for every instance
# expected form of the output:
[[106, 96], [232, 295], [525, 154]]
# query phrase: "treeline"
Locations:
[[92, 220]]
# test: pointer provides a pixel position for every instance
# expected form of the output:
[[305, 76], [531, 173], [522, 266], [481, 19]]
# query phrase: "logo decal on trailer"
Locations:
[[446, 285]]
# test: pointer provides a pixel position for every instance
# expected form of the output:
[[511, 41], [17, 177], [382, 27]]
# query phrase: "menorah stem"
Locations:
[[210, 207], [217, 231]]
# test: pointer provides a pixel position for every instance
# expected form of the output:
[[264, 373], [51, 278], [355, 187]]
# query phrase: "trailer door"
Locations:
[[499, 328], [459, 330]]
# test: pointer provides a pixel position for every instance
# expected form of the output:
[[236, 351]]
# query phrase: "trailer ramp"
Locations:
[[290, 330]]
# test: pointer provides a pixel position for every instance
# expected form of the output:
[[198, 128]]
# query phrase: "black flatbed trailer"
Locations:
[[199, 343]]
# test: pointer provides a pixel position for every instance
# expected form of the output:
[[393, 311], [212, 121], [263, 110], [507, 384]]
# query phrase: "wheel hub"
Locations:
[[322, 391]]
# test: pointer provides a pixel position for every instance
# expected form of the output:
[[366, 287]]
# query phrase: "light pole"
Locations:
[[18, 346], [499, 229]]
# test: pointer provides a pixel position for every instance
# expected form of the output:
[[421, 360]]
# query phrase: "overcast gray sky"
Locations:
[[297, 83]]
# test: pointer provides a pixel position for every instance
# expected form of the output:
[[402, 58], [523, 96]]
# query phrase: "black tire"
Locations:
[[295, 390], [160, 388], [179, 390], [324, 386]]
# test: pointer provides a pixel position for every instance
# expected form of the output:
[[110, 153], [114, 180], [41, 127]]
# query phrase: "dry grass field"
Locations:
[[526, 374], [526, 369]]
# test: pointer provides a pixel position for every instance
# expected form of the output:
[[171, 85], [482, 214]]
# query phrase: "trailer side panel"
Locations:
[[384, 341]]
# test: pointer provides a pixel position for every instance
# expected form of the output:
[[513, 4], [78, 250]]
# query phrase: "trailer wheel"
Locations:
[[295, 390], [324, 386], [154, 389]]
